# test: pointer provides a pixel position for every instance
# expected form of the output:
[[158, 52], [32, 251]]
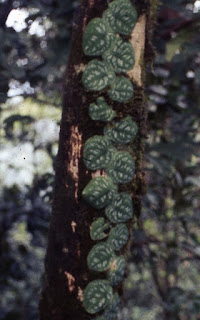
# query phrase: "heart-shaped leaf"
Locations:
[[122, 167], [121, 56], [97, 37], [97, 152], [118, 236], [122, 132], [121, 90], [100, 257], [97, 75], [101, 111], [99, 192], [121, 16], [121, 208], [97, 229], [97, 296]]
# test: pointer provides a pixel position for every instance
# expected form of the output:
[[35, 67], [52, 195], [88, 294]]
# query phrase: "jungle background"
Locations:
[[163, 279]]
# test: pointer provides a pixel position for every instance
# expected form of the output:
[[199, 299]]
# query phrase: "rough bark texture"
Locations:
[[66, 272]]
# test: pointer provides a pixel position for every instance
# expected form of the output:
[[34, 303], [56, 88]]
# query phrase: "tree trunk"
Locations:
[[66, 272]]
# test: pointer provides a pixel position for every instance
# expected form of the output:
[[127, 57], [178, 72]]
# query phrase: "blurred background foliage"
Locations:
[[163, 281]]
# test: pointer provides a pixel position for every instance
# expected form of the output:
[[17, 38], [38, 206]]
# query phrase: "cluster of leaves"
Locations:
[[100, 153], [164, 273]]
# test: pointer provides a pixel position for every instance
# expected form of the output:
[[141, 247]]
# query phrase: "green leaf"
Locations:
[[122, 167], [118, 236], [97, 37], [97, 75], [117, 270], [97, 229], [121, 208], [112, 308], [121, 16], [97, 152], [100, 192], [101, 111], [121, 56], [122, 132], [97, 296], [100, 257], [121, 90]]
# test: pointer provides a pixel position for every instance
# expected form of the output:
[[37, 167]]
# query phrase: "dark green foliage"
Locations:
[[121, 56], [121, 16], [97, 38], [100, 257], [117, 270], [122, 132], [97, 75], [122, 167], [121, 208], [112, 309], [121, 89], [99, 192], [97, 152], [101, 111], [97, 229], [97, 296], [118, 236]]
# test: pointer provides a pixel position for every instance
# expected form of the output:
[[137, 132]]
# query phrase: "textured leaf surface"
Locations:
[[121, 56], [97, 229], [121, 16], [122, 167], [121, 208], [122, 132], [97, 75], [97, 152], [101, 111], [99, 192], [97, 37], [117, 270], [118, 236], [97, 295], [100, 257], [112, 309], [121, 90]]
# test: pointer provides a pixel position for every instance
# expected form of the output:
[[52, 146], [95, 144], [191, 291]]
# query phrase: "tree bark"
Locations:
[[66, 272]]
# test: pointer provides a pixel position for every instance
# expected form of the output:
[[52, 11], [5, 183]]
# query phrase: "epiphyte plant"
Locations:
[[104, 37]]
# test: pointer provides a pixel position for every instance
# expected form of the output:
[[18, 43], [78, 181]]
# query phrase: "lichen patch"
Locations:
[[138, 43], [71, 281]]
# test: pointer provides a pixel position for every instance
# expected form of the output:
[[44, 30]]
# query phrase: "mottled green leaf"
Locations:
[[97, 37], [117, 270], [100, 257], [121, 16], [98, 227], [118, 236], [101, 111], [99, 192], [97, 152], [121, 208], [122, 167], [121, 56], [121, 89], [97, 296], [122, 132], [97, 75]]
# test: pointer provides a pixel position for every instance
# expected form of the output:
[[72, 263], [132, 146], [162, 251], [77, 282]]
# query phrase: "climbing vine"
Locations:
[[105, 37]]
